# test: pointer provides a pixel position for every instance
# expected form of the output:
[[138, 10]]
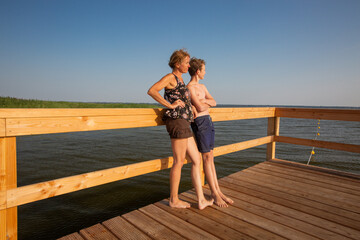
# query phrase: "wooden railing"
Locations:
[[20, 122]]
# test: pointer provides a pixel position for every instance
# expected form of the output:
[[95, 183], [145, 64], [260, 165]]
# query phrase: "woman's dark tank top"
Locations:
[[179, 92]]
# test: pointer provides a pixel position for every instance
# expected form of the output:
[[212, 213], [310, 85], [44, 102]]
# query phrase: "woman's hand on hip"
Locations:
[[177, 103]]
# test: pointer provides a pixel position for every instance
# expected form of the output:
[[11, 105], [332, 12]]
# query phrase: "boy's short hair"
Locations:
[[195, 64], [177, 57]]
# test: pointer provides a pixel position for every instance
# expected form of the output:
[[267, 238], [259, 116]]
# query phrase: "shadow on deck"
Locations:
[[273, 200]]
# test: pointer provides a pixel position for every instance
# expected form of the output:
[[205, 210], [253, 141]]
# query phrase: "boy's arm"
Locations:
[[209, 99], [195, 112], [195, 101]]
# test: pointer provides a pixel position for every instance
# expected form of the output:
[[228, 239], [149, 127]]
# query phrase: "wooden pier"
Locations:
[[273, 200]]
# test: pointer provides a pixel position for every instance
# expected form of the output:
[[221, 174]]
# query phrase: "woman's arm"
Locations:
[[157, 87]]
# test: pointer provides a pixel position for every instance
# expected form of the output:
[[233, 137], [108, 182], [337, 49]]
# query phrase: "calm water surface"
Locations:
[[47, 157]]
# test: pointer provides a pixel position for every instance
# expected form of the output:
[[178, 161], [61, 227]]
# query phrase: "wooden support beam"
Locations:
[[2, 190], [8, 181], [2, 127], [272, 130]]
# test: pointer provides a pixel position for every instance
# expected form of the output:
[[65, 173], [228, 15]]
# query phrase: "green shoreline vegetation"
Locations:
[[11, 102]]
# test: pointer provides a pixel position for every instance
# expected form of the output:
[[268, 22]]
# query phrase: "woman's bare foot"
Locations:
[[179, 204], [225, 198], [205, 203], [218, 201]]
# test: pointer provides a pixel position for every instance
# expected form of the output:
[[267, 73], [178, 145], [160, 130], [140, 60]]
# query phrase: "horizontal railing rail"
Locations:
[[322, 114], [319, 144], [22, 122]]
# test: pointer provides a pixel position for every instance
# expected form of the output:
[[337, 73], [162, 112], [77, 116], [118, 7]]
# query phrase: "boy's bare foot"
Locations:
[[179, 204], [226, 199], [205, 203], [218, 201]]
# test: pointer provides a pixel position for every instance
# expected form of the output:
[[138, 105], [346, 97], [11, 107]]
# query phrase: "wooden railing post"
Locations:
[[272, 130], [8, 180]]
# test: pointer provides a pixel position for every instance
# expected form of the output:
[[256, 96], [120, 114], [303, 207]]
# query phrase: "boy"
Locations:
[[203, 128]]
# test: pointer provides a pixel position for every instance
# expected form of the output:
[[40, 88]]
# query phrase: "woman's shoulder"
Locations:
[[168, 76], [171, 80]]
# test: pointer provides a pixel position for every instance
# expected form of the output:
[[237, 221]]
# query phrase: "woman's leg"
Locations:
[[194, 155], [179, 152]]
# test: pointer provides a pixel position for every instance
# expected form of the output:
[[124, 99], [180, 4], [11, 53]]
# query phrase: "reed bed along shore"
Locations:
[[11, 102]]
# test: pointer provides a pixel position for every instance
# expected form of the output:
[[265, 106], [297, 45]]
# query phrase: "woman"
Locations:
[[177, 118]]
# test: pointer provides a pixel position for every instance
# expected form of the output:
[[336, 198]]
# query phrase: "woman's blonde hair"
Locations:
[[177, 57]]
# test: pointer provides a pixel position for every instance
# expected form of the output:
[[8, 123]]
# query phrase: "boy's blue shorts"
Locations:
[[204, 132]]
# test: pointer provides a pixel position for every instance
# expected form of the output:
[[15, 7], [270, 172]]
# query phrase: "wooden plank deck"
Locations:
[[273, 200]]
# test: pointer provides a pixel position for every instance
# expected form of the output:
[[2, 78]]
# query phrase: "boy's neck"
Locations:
[[195, 79]]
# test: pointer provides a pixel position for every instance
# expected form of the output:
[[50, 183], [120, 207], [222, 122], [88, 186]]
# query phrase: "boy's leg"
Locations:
[[211, 179], [179, 152], [204, 133], [216, 182], [194, 155]]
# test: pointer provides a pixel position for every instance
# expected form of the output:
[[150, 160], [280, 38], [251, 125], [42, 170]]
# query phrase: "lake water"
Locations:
[[46, 157]]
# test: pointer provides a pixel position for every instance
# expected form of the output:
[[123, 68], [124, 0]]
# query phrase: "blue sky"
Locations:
[[279, 52]]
